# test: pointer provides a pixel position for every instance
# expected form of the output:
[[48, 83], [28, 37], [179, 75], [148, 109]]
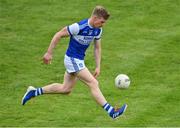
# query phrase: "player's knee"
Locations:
[[94, 84], [66, 90]]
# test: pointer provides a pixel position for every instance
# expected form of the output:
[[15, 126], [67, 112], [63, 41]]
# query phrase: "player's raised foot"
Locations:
[[28, 95], [116, 113]]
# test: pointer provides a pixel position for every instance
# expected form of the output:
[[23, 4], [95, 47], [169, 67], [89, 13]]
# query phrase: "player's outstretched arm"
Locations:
[[57, 37]]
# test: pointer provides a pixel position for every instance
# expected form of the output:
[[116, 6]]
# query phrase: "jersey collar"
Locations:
[[89, 24]]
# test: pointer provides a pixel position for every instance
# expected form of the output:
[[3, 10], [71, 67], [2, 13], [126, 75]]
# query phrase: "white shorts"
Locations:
[[73, 65]]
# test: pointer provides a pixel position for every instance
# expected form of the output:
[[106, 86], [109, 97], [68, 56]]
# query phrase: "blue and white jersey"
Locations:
[[81, 35]]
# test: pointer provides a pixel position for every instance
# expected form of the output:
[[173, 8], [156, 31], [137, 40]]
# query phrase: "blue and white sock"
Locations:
[[38, 92], [108, 108]]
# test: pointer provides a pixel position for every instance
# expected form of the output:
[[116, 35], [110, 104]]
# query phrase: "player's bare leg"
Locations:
[[85, 76], [65, 88]]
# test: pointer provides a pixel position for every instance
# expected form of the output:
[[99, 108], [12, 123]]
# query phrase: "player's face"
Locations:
[[99, 22]]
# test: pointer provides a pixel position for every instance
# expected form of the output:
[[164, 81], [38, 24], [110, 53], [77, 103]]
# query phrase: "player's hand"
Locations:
[[96, 72], [47, 58]]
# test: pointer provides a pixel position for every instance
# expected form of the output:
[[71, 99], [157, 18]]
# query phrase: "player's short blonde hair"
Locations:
[[100, 11]]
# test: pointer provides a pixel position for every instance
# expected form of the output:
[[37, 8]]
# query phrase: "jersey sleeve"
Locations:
[[98, 36], [73, 29]]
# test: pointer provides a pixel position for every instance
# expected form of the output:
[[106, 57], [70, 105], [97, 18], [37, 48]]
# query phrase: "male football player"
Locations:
[[81, 35]]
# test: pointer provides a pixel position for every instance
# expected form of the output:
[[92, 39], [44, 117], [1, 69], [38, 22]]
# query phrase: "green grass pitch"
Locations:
[[141, 39]]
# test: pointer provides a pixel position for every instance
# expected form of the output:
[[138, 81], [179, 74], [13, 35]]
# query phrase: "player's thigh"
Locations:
[[85, 76], [69, 80]]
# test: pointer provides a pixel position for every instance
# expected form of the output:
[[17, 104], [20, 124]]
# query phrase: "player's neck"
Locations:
[[91, 23]]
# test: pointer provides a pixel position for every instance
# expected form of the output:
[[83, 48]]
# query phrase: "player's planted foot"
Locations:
[[30, 93]]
